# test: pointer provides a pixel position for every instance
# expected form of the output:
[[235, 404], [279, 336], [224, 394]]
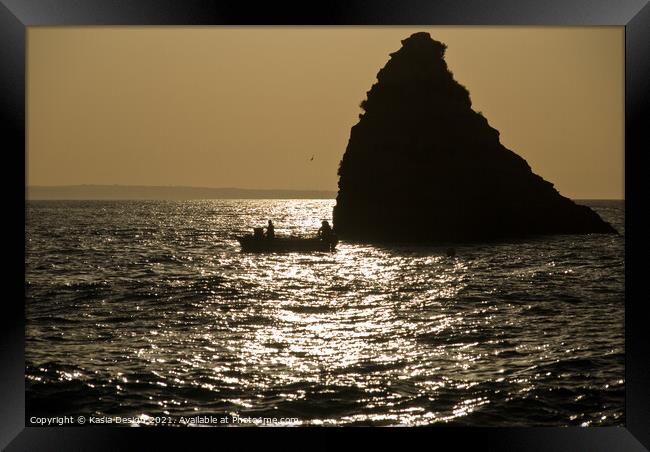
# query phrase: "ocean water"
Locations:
[[148, 308]]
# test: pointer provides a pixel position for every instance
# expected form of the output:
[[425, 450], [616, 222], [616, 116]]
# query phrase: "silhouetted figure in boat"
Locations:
[[258, 233], [327, 235], [270, 231], [325, 231]]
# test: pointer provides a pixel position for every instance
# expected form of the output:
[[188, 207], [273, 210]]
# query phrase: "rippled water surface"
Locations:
[[149, 307]]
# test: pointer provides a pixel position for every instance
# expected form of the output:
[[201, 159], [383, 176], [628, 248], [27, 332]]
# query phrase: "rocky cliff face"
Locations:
[[422, 166]]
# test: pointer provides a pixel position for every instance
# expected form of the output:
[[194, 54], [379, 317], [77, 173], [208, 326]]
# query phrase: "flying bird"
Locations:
[[312, 158]]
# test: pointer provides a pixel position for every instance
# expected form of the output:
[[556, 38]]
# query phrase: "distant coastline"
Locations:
[[143, 192]]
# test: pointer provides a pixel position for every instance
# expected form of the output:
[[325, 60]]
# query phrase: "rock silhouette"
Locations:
[[422, 166]]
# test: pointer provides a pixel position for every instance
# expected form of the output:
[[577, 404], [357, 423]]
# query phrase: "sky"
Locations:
[[249, 107]]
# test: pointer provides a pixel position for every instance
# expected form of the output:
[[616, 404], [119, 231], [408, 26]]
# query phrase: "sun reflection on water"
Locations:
[[180, 322]]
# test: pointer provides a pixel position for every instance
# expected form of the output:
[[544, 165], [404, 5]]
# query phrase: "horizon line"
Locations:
[[332, 193], [248, 189], [176, 186]]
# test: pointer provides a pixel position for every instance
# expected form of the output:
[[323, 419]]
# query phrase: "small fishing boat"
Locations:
[[251, 243]]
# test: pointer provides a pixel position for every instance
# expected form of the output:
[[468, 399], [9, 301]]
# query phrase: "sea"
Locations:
[[148, 312]]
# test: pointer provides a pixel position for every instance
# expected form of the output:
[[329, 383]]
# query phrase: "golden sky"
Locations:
[[247, 107]]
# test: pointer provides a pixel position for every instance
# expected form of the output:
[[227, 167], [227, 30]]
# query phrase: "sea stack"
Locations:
[[421, 166]]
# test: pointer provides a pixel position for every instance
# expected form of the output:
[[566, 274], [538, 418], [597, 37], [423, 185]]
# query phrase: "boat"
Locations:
[[251, 243]]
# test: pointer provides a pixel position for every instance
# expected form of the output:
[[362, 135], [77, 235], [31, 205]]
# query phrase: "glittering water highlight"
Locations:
[[149, 308]]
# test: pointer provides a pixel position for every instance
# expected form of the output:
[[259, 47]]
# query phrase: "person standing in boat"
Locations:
[[270, 231]]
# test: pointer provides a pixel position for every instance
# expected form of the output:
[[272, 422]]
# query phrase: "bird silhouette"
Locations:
[[312, 158]]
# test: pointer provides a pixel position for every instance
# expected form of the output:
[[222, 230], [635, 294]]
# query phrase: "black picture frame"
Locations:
[[634, 15]]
